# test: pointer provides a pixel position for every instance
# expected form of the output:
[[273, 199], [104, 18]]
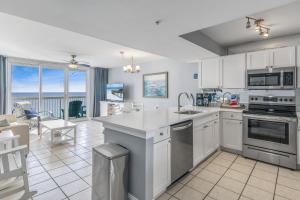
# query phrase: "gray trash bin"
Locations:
[[110, 172]]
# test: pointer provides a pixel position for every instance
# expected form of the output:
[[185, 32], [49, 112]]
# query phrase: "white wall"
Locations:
[[180, 80]]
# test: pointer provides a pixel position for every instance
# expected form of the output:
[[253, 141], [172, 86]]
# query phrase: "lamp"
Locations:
[[131, 68]]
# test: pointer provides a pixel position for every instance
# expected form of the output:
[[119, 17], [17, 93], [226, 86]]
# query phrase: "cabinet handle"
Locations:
[[161, 134], [231, 115], [215, 122], [241, 122], [206, 126]]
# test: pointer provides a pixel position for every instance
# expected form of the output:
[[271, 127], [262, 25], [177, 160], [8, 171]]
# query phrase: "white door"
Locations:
[[198, 145], [258, 59], [210, 73], [216, 134], [232, 134], [161, 166], [283, 57], [233, 68]]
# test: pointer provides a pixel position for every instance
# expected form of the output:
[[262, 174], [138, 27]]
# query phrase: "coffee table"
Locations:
[[59, 128]]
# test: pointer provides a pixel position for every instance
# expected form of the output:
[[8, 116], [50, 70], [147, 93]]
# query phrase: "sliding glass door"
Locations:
[[77, 94], [49, 89], [24, 89], [53, 91]]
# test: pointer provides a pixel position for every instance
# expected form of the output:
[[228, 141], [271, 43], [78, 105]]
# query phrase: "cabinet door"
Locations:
[[298, 148], [233, 68], [258, 59], [207, 132], [161, 166], [216, 134], [232, 134], [283, 57], [198, 146], [210, 73]]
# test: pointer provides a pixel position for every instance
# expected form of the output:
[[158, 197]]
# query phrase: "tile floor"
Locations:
[[64, 172], [226, 176]]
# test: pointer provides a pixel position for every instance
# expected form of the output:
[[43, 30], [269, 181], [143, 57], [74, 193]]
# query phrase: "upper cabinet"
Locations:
[[234, 71], [283, 57], [258, 59], [209, 70], [279, 57]]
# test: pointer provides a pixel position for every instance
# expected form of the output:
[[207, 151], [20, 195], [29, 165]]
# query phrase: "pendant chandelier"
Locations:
[[131, 68]]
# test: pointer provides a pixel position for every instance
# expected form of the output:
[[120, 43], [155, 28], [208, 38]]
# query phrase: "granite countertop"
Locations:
[[146, 121]]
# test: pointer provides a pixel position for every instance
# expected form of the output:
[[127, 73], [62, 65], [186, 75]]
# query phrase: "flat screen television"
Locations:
[[115, 92]]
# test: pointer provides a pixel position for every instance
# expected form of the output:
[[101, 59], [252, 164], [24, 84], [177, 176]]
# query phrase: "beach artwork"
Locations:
[[155, 85]]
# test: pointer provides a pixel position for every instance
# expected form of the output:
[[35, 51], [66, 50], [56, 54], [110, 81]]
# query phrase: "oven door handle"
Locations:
[[271, 118]]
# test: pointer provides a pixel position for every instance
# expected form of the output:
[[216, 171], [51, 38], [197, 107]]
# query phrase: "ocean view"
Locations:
[[48, 94]]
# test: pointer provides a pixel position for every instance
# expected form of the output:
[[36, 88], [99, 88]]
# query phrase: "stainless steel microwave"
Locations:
[[272, 78]]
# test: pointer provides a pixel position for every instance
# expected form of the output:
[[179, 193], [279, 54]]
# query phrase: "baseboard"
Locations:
[[231, 150], [131, 197]]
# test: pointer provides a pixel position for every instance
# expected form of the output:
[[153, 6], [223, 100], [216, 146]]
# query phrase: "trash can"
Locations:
[[110, 172]]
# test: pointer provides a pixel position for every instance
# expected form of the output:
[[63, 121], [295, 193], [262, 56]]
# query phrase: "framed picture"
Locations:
[[155, 85]]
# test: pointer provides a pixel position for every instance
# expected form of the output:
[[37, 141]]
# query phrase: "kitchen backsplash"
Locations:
[[244, 94]]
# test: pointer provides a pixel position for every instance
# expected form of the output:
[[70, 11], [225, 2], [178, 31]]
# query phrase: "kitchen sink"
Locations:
[[189, 112]]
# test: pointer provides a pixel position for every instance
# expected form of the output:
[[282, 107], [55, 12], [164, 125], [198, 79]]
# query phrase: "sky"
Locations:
[[26, 79]]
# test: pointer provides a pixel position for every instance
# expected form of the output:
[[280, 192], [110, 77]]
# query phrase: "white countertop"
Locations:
[[146, 121]]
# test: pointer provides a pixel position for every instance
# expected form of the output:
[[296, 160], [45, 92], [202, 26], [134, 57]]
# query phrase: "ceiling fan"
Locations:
[[74, 63]]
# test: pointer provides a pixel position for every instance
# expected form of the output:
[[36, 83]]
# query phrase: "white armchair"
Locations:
[[18, 128]]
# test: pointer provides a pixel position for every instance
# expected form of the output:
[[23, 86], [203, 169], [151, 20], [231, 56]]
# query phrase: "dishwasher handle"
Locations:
[[182, 127]]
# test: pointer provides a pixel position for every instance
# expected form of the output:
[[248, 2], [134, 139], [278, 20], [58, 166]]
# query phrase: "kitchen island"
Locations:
[[147, 136]]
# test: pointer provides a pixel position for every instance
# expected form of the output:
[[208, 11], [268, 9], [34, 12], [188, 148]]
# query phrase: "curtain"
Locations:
[[2, 85], [100, 81]]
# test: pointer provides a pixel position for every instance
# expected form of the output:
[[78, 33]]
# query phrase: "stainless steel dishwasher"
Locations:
[[181, 149]]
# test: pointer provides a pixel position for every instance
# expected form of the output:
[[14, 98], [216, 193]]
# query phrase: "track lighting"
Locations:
[[248, 24], [262, 30]]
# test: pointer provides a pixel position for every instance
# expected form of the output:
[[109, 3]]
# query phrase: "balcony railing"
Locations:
[[53, 104]]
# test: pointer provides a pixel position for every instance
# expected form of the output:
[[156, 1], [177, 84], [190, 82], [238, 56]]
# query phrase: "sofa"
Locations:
[[18, 128]]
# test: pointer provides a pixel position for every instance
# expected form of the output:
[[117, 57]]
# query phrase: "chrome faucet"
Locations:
[[188, 96]]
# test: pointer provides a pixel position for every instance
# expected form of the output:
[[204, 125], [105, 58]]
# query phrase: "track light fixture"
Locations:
[[262, 30]]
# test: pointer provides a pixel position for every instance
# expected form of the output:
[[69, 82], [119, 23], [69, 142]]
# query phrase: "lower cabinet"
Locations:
[[232, 134], [161, 166], [205, 139]]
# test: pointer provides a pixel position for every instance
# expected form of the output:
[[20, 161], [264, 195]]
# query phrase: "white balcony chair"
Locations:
[[12, 168]]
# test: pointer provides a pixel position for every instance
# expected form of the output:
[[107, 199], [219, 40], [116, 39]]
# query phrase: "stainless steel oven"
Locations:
[[272, 78], [270, 130]]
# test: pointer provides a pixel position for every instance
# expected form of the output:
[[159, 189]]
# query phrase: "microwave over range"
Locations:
[[272, 78]]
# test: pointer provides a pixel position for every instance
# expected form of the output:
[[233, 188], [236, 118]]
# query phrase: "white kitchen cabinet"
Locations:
[[258, 59], [206, 137], [207, 132], [298, 66], [210, 73], [278, 57], [232, 134], [234, 71], [216, 134], [298, 147], [161, 166], [283, 57], [198, 146]]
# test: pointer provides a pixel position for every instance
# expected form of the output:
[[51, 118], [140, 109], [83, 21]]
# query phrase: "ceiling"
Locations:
[[88, 27], [282, 21], [32, 40]]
